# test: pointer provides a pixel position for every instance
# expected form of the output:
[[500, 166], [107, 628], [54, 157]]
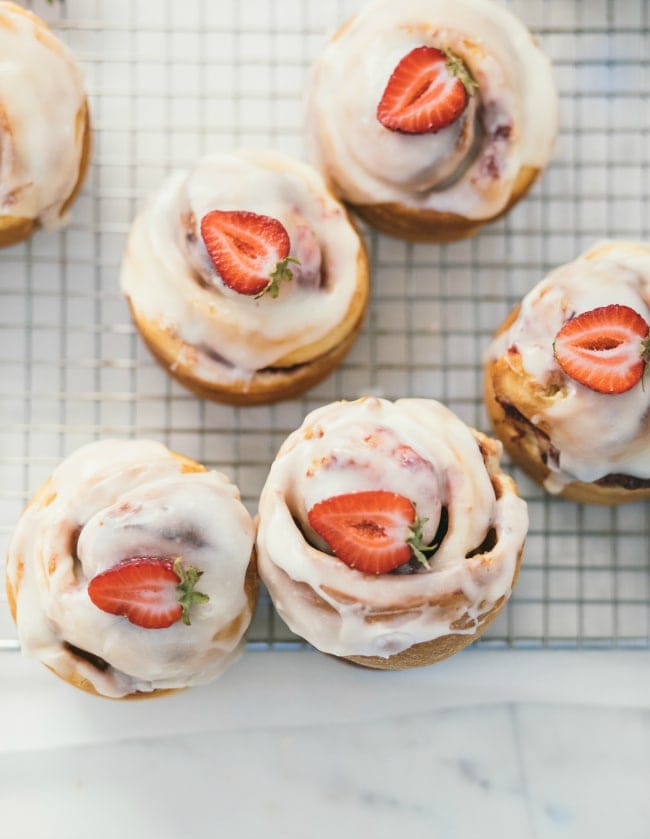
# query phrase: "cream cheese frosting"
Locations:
[[468, 168], [416, 448], [41, 134], [115, 500], [169, 279], [595, 434]]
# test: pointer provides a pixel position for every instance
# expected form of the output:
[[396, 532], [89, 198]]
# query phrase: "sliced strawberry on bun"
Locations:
[[427, 91], [374, 531], [605, 349], [250, 251]]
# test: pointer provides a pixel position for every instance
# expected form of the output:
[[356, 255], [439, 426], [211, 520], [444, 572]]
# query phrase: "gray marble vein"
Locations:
[[526, 771]]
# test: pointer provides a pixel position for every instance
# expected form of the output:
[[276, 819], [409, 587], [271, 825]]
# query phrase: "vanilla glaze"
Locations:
[[41, 132], [468, 168], [596, 434], [169, 278], [116, 500], [416, 448]]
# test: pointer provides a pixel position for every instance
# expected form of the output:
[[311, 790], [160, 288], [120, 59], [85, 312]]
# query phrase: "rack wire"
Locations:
[[171, 81]]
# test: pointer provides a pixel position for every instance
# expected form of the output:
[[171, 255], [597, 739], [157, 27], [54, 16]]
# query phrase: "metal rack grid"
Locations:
[[171, 81]]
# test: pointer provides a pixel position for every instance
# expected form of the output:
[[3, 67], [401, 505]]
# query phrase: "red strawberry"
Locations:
[[250, 251], [373, 531], [428, 90], [605, 349], [149, 592]]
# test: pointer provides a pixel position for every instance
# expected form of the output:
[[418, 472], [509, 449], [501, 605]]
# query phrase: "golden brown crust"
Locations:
[[84, 125], [78, 681], [15, 9], [11, 598], [416, 225], [43, 497], [14, 229], [280, 382], [506, 382]]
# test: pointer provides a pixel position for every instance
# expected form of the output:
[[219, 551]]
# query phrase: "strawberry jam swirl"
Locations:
[[417, 449], [593, 435], [469, 167], [109, 502], [41, 133], [169, 278]]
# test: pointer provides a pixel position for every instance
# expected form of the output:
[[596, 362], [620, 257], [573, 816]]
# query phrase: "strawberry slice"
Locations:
[[149, 592], [606, 349], [250, 251], [428, 90], [374, 532]]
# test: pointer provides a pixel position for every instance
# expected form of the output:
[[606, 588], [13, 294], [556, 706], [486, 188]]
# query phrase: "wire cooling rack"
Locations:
[[170, 81]]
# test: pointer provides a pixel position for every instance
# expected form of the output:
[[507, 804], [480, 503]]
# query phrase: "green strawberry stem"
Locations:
[[281, 273], [460, 70], [417, 544], [645, 358], [185, 593]]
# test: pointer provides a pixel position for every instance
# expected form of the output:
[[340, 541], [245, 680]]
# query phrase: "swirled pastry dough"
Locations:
[[562, 432], [44, 129], [224, 343], [418, 449], [108, 502], [461, 175]]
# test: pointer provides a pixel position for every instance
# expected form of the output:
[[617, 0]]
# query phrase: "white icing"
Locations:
[[131, 499], [370, 164], [416, 448], [596, 434], [162, 271], [41, 95]]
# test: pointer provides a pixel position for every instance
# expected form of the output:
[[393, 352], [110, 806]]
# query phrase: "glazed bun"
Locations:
[[388, 534], [132, 571], [45, 135], [221, 325], [431, 118], [564, 378]]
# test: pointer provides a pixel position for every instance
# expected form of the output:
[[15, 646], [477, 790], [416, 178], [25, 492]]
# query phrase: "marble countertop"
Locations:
[[293, 744]]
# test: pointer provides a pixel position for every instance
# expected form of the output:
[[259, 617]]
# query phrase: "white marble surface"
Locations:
[[503, 744]]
